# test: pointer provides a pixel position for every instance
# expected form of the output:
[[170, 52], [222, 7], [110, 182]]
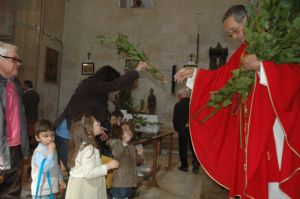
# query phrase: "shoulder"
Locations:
[[87, 83], [17, 81], [240, 50], [88, 150], [35, 92], [186, 100], [118, 143], [177, 106], [39, 151]]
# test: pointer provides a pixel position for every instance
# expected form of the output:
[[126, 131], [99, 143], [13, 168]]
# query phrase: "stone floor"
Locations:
[[173, 184]]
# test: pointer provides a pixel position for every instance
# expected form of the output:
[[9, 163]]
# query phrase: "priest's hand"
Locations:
[[183, 74], [251, 62]]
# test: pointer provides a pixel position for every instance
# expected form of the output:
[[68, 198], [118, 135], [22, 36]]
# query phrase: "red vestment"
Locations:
[[246, 167]]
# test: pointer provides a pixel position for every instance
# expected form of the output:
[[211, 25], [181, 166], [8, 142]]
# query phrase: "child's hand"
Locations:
[[112, 164], [103, 136], [51, 147], [62, 184]]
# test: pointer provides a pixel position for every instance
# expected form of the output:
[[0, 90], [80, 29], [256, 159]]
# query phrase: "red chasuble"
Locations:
[[238, 151]]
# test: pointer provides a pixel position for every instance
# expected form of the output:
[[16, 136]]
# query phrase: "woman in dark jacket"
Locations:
[[91, 97]]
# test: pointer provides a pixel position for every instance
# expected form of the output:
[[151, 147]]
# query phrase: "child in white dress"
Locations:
[[87, 171]]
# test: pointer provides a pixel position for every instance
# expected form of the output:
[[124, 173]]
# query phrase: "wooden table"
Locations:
[[156, 142]]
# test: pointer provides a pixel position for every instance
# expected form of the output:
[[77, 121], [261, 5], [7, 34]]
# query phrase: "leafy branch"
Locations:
[[238, 86], [131, 50], [272, 30]]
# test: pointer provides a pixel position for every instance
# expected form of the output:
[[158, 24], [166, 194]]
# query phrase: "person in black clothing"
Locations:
[[181, 125], [31, 101], [90, 97]]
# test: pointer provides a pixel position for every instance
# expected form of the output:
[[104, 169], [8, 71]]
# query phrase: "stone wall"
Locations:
[[34, 25], [167, 33]]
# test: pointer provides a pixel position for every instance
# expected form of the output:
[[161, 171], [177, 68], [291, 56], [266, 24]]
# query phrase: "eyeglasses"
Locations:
[[13, 59], [234, 31]]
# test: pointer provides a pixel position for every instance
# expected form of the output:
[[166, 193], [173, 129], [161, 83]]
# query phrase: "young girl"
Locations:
[[87, 171], [125, 177], [45, 151]]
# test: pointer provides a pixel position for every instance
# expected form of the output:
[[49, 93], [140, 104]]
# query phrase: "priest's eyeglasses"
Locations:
[[234, 31], [13, 59]]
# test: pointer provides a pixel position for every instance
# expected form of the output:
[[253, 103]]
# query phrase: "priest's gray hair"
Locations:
[[237, 11], [183, 92]]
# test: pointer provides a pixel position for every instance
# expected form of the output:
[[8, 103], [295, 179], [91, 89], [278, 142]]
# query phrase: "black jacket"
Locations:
[[181, 115], [31, 102], [91, 97]]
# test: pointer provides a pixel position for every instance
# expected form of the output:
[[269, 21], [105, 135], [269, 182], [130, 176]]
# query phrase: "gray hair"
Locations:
[[184, 92], [238, 12], [4, 47]]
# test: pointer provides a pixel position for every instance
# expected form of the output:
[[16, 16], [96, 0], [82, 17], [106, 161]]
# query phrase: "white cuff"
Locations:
[[262, 75], [105, 167], [190, 81]]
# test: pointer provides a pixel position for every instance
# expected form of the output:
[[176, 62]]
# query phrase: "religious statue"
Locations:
[[217, 56], [151, 102], [137, 4]]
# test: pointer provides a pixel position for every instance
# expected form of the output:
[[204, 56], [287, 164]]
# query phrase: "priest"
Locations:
[[255, 151]]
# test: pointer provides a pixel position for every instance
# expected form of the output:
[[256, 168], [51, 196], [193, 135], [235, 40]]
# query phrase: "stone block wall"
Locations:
[[167, 33]]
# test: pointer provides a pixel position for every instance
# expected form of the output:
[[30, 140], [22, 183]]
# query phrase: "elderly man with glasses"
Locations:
[[13, 136]]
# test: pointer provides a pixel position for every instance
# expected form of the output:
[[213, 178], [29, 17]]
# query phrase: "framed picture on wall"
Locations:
[[87, 68], [51, 65]]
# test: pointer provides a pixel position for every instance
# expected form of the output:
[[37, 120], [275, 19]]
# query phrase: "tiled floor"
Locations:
[[173, 184]]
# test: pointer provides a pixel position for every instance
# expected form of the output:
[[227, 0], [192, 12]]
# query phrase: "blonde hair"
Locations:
[[81, 132]]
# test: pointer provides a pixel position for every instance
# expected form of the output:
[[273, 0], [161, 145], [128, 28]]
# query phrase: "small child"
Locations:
[[114, 121], [114, 131], [45, 150], [125, 177], [87, 171]]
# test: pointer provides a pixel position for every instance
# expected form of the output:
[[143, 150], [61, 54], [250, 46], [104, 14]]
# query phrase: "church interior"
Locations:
[[58, 41]]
